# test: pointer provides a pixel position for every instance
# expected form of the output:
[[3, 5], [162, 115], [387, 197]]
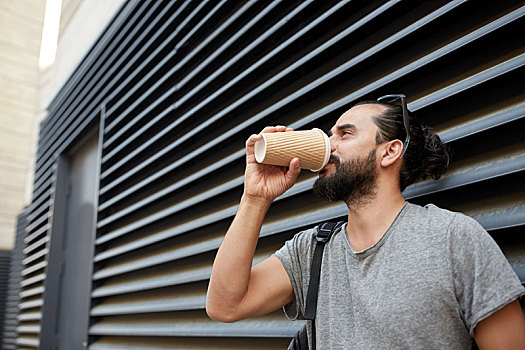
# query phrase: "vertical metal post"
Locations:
[[102, 120], [51, 296]]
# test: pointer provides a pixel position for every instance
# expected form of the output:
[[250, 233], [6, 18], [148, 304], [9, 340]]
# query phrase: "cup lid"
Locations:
[[260, 149], [327, 150]]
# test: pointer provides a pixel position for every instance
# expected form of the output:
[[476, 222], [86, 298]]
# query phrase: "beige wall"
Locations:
[[81, 23], [25, 91], [20, 29]]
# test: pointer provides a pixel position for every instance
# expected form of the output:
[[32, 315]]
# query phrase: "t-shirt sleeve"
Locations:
[[483, 278], [294, 257]]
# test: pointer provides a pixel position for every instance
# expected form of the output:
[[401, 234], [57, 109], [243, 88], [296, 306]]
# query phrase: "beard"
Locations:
[[354, 181]]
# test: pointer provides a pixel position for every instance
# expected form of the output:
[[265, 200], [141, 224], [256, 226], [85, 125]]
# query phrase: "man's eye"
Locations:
[[346, 133]]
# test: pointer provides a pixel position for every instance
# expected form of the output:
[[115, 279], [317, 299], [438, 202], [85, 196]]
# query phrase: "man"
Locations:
[[397, 275]]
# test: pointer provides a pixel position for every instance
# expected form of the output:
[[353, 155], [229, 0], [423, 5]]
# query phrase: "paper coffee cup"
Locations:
[[312, 147]]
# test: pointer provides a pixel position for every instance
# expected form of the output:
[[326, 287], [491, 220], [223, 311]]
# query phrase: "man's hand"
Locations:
[[263, 181]]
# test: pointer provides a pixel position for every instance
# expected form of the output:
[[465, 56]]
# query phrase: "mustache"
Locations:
[[335, 159]]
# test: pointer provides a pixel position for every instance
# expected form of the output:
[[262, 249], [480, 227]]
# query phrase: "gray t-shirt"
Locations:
[[425, 285]]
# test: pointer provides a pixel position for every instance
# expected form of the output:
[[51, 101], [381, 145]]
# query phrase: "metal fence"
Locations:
[[157, 114]]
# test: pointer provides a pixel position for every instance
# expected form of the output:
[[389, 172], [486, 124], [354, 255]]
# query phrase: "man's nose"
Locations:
[[332, 144]]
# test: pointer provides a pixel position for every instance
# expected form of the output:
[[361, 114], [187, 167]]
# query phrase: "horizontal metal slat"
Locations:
[[480, 172], [28, 329], [270, 228], [93, 73], [46, 160], [32, 292], [276, 106], [259, 40], [176, 207], [82, 71], [198, 327], [157, 259], [194, 274], [503, 218], [242, 75], [41, 188], [36, 223], [35, 256], [36, 245], [217, 73], [29, 281], [219, 215], [501, 117], [429, 58], [168, 304], [488, 74], [193, 52], [172, 71], [490, 170], [122, 115], [490, 220], [507, 115], [37, 233], [27, 341], [39, 206], [180, 343], [458, 180], [199, 174], [122, 15], [30, 304], [41, 265], [31, 316]]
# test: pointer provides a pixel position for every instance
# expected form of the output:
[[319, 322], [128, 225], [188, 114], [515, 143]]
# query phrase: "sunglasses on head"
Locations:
[[403, 100]]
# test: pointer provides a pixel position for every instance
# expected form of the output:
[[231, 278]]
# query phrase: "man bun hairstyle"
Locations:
[[426, 155]]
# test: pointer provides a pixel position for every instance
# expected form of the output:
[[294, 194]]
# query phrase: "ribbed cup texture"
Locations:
[[308, 145]]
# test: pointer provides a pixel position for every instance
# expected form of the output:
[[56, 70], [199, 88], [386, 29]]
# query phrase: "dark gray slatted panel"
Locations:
[[10, 320], [183, 83], [172, 176], [68, 115], [179, 286], [5, 262]]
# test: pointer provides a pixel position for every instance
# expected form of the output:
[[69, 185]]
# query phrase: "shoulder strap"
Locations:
[[324, 233]]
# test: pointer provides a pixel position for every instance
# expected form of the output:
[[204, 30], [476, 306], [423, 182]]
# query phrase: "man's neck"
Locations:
[[368, 222]]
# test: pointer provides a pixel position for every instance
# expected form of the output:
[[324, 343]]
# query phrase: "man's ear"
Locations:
[[392, 151]]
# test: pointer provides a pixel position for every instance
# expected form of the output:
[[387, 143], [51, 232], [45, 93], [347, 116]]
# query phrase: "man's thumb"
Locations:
[[293, 171]]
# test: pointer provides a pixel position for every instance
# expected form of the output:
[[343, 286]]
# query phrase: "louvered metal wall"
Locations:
[[10, 319], [5, 262], [177, 86]]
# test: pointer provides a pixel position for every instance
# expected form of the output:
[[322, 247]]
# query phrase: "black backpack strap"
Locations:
[[324, 233]]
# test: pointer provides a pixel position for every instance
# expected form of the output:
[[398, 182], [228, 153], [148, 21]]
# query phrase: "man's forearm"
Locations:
[[233, 263]]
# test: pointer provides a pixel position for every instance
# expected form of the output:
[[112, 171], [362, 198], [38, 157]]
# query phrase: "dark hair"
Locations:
[[425, 157]]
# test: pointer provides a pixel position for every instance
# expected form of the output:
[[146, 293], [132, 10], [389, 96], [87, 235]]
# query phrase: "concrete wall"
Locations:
[[81, 23], [21, 30], [26, 90]]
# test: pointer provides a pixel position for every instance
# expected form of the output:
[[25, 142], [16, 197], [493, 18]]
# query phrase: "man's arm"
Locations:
[[504, 329], [237, 290]]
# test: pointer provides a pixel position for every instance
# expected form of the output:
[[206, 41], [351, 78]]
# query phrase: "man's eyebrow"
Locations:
[[346, 126], [342, 127]]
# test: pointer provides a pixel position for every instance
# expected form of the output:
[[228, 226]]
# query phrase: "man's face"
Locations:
[[351, 173]]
